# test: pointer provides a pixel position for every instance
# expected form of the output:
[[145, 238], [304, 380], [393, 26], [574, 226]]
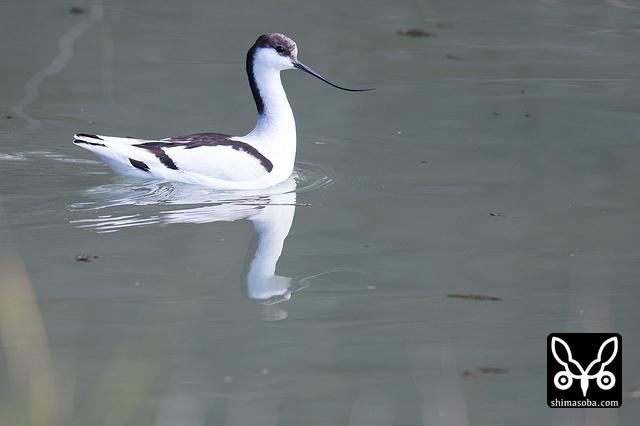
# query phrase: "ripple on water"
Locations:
[[174, 202], [16, 156], [323, 185], [133, 203]]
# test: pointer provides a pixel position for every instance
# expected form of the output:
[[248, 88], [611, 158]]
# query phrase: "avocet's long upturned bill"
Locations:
[[261, 159]]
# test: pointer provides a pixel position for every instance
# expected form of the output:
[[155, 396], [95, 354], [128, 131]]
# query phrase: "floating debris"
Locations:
[[483, 371], [77, 10], [416, 32], [473, 297], [85, 257]]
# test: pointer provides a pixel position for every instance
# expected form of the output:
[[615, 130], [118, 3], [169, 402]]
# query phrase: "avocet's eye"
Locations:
[[280, 48]]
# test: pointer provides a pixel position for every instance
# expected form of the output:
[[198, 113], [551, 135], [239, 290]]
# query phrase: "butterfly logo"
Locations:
[[564, 379]]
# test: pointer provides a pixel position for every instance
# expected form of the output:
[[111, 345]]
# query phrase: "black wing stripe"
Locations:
[[160, 154], [139, 164], [83, 142], [87, 135]]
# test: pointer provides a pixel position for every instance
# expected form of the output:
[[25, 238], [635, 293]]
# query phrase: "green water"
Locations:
[[497, 157]]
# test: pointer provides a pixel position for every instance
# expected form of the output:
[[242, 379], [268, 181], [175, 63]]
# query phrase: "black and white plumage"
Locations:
[[262, 158]]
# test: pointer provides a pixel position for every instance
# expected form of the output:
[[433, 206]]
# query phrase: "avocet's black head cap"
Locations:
[[278, 42], [287, 48]]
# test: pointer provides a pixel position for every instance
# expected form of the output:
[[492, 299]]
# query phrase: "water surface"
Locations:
[[497, 157]]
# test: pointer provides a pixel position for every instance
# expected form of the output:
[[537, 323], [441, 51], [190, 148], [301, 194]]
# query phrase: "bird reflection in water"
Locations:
[[272, 213]]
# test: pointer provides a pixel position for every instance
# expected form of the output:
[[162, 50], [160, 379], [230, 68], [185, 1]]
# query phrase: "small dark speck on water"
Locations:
[[77, 10], [85, 257], [474, 297], [496, 214], [483, 371], [416, 32]]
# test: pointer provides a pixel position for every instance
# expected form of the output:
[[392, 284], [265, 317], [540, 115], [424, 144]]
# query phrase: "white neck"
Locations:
[[276, 120], [275, 132]]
